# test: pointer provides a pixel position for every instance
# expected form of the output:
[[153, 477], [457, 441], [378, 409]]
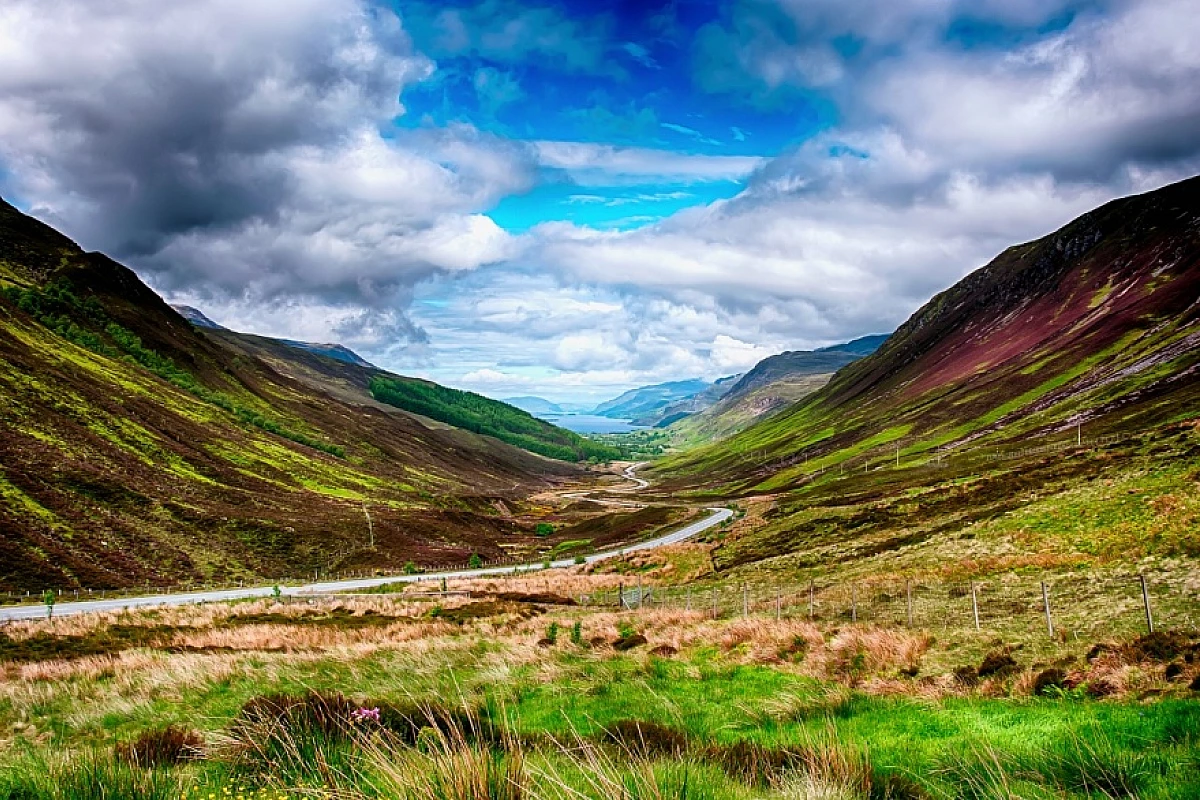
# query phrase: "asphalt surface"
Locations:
[[716, 517]]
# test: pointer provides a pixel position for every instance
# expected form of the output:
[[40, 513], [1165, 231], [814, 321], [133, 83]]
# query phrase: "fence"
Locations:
[[1062, 606]]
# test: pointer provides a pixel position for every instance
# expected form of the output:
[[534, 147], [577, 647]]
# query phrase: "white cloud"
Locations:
[[233, 149], [599, 164]]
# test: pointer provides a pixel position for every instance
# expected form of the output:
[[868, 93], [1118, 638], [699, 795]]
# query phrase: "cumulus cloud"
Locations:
[[235, 148], [591, 163], [945, 156]]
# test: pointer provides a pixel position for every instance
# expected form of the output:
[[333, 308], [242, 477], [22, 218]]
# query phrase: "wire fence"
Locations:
[[1060, 606]]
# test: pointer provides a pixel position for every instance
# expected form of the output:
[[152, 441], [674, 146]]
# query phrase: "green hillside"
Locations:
[[1094, 325], [479, 414], [136, 449]]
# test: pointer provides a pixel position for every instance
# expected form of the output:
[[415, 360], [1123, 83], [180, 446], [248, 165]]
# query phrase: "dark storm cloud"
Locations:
[[230, 148]]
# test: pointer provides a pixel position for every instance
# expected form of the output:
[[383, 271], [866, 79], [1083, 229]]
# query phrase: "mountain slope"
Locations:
[[771, 385], [1097, 323], [136, 448], [649, 400]]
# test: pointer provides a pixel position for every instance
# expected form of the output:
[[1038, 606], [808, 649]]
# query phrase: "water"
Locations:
[[588, 423]]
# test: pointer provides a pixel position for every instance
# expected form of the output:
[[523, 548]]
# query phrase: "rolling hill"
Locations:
[[1096, 324], [136, 448], [771, 385], [648, 401]]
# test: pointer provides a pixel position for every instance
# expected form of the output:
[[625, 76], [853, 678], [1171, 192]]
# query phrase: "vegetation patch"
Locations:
[[480, 414]]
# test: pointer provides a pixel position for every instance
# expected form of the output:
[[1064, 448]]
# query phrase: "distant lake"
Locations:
[[587, 423]]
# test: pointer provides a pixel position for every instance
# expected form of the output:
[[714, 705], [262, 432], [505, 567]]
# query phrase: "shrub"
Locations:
[[577, 634], [476, 561], [162, 747], [552, 633], [998, 663], [1049, 680], [580, 559], [544, 529], [410, 568]]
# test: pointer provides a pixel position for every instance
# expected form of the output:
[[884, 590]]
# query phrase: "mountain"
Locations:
[[335, 351], [197, 318], [863, 346], [773, 384], [137, 448], [647, 400], [535, 405], [1096, 325]]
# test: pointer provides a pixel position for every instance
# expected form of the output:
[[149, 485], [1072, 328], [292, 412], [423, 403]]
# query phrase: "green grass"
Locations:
[[736, 730]]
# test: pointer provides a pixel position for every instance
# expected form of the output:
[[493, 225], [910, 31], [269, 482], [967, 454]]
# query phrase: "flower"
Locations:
[[364, 715]]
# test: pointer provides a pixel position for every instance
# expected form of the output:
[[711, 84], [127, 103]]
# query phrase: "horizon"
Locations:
[[571, 200]]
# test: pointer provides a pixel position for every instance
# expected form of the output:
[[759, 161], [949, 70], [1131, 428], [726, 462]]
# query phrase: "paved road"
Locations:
[[717, 516]]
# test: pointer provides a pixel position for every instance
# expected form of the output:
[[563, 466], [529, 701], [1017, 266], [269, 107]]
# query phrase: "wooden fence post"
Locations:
[[745, 601], [975, 605], [1046, 605], [1146, 603], [620, 595]]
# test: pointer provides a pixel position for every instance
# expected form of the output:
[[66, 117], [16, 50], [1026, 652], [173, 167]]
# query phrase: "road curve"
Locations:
[[716, 517]]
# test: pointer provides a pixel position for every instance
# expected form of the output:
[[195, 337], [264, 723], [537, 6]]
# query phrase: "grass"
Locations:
[[258, 697]]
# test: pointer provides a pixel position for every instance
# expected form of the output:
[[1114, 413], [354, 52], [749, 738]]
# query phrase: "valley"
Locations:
[[961, 561]]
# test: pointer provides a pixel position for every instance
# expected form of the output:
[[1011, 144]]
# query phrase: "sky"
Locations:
[[570, 199]]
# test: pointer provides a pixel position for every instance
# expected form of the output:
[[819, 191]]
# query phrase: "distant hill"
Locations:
[[139, 448], [648, 400], [535, 405], [335, 351], [771, 385], [862, 346], [197, 318], [1096, 324]]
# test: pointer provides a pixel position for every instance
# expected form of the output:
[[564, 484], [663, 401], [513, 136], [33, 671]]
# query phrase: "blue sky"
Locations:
[[570, 199]]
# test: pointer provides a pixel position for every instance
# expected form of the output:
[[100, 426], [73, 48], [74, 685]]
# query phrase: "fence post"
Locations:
[[745, 601], [908, 593], [811, 606], [1046, 605], [975, 605], [1146, 603], [715, 612], [854, 602], [641, 595], [620, 595]]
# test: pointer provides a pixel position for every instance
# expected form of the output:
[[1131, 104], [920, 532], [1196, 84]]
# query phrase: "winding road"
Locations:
[[715, 517]]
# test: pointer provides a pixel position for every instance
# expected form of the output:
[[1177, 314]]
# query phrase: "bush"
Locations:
[[544, 529], [475, 562], [162, 747]]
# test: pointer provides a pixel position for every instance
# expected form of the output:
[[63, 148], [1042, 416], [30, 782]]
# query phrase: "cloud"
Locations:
[[496, 89], [234, 148], [510, 32], [591, 163]]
